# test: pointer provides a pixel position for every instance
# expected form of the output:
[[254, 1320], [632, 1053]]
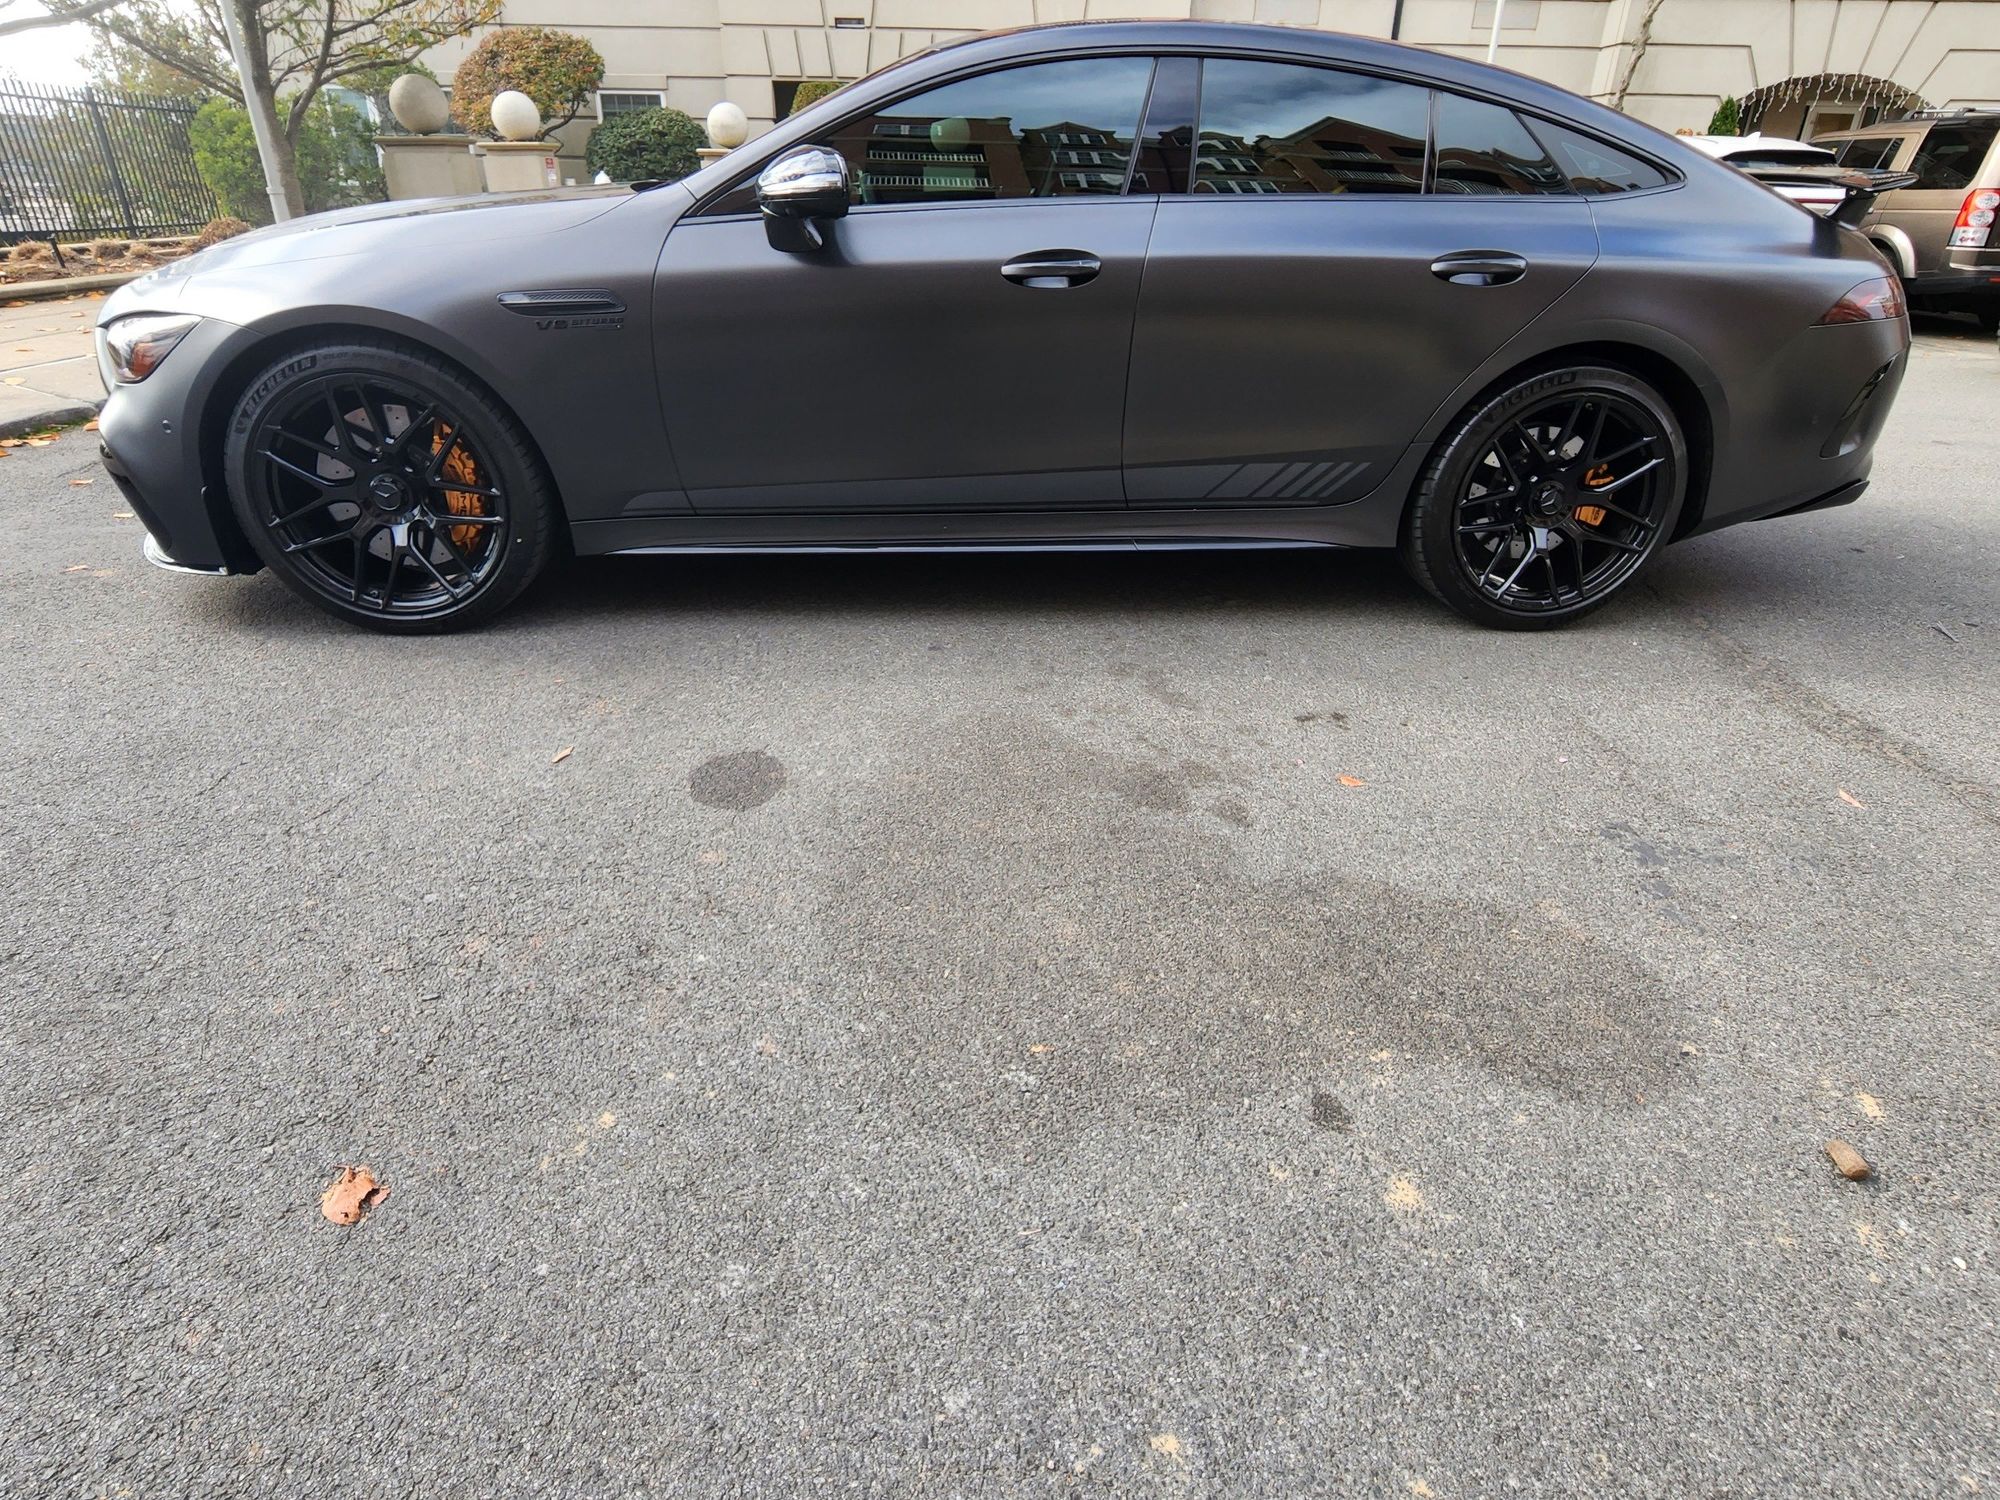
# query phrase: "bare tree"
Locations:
[[13, 18], [292, 49]]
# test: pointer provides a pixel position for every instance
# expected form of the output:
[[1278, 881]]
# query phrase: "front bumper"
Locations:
[[155, 554], [150, 437]]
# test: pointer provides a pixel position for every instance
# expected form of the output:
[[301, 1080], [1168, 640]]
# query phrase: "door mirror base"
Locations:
[[793, 236]]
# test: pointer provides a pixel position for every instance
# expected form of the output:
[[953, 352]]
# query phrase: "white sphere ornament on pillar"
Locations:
[[419, 104], [516, 117], [727, 126]]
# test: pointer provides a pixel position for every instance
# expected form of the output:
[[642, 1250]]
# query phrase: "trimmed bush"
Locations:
[[1727, 119], [813, 90], [554, 68], [646, 145], [336, 159]]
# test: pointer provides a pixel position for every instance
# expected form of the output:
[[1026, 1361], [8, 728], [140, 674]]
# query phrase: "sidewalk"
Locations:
[[48, 372]]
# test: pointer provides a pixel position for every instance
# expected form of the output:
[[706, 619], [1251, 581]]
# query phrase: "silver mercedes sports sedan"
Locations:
[[1122, 285]]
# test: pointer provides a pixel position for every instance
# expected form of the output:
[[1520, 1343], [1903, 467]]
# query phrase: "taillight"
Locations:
[[1975, 219], [1870, 302]]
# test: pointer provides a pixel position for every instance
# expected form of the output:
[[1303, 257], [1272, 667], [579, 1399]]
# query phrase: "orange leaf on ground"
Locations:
[[1849, 798], [91, 425], [1850, 1163], [352, 1194], [1352, 781], [562, 755], [80, 483]]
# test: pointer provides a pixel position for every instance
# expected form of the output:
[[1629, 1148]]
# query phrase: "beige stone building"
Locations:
[[1800, 66]]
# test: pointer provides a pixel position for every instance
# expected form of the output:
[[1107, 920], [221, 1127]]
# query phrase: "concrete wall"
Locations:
[[1682, 56]]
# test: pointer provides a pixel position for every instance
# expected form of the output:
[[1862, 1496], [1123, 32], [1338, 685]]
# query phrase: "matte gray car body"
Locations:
[[738, 398]]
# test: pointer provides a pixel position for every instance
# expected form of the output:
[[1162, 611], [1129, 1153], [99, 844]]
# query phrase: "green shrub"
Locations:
[[813, 90], [336, 159], [554, 68], [1727, 119], [647, 144]]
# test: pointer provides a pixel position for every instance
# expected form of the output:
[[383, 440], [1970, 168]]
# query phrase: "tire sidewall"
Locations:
[[495, 433], [1430, 543]]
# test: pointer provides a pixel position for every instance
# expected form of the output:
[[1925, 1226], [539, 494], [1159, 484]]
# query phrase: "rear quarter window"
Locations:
[[1595, 169]]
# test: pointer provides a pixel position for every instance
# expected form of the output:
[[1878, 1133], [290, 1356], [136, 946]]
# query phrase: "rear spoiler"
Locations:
[[1862, 184]]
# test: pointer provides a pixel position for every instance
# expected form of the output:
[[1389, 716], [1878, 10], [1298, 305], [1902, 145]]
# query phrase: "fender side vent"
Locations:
[[561, 302]]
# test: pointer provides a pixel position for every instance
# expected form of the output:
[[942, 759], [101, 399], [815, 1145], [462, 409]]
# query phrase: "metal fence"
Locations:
[[84, 164]]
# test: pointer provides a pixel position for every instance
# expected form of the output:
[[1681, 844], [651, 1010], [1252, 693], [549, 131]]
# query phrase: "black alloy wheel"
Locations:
[[1548, 499], [387, 488]]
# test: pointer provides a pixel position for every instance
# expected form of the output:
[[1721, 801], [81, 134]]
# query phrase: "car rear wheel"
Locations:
[[1547, 498], [388, 488]]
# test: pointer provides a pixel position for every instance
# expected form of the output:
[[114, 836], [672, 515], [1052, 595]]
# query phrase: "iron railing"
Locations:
[[87, 163]]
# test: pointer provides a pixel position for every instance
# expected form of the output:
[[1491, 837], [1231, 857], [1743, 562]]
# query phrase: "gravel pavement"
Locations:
[[1153, 1025]]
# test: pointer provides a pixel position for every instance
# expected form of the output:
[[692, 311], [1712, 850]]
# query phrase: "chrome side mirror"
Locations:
[[799, 188]]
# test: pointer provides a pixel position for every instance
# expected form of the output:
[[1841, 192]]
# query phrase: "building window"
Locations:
[[627, 102]]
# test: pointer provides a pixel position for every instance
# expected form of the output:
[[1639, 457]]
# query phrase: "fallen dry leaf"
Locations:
[[14, 380], [1850, 1163], [1849, 798], [352, 1194], [1352, 781], [22, 349], [10, 442], [1041, 1048], [1870, 1105], [562, 755], [77, 484], [91, 425], [39, 442], [77, 568]]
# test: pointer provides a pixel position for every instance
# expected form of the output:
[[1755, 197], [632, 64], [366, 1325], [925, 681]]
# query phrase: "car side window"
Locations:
[[1593, 168], [1483, 150], [1283, 128], [1951, 156], [1867, 153], [1048, 130]]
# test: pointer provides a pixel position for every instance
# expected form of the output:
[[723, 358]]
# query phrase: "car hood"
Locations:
[[415, 233], [411, 225]]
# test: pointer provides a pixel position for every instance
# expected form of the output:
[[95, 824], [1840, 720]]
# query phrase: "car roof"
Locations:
[[1311, 44]]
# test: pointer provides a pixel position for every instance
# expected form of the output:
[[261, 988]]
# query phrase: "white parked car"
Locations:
[[1757, 154]]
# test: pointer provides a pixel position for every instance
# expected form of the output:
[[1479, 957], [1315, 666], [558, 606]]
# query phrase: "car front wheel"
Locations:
[[1547, 498], [388, 488]]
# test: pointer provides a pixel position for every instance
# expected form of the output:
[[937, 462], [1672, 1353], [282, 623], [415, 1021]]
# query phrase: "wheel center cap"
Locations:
[[389, 492], [1549, 498]]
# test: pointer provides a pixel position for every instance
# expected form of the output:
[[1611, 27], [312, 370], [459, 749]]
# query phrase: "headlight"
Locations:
[[134, 346]]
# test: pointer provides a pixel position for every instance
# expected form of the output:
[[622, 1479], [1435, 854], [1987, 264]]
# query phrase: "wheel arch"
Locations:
[[1693, 406], [270, 343]]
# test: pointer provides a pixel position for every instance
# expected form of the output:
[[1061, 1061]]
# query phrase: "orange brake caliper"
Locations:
[[459, 464], [1595, 479]]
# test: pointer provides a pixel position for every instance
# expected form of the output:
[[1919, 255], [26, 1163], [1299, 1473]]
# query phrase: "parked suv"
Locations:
[[1939, 232]]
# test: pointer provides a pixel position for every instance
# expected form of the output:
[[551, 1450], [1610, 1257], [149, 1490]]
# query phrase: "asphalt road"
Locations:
[[948, 1028]]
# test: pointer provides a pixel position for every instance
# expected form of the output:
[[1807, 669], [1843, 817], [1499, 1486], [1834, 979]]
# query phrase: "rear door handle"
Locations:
[[1479, 268], [1048, 269]]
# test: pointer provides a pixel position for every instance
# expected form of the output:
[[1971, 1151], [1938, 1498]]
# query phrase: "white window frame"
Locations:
[[659, 97]]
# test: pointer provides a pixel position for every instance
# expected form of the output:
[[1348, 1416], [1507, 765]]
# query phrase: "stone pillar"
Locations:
[[518, 166], [429, 166]]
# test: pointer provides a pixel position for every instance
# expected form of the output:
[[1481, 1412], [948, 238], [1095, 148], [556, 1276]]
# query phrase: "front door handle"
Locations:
[[1048, 269], [1479, 268]]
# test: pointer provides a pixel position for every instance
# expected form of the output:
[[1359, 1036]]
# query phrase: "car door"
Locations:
[[1350, 249], [960, 342]]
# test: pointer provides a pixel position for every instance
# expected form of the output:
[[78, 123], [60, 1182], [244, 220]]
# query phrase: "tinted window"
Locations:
[[1868, 153], [1594, 168], [1276, 128], [1046, 131], [1484, 151], [1952, 155]]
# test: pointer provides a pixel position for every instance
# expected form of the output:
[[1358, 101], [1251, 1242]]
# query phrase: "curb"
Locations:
[[41, 421], [32, 291]]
